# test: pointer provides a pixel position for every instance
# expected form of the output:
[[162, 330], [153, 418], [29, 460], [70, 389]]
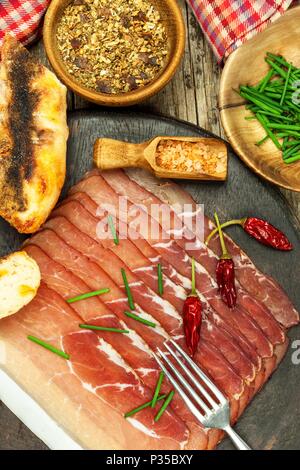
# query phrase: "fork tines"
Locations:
[[208, 402]]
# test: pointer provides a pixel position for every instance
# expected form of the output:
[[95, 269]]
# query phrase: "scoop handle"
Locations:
[[110, 154]]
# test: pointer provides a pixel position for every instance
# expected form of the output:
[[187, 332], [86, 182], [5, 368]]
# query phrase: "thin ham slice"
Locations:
[[96, 278], [143, 267], [224, 376], [132, 348], [207, 258], [87, 224], [111, 382], [258, 284], [110, 373], [97, 188]]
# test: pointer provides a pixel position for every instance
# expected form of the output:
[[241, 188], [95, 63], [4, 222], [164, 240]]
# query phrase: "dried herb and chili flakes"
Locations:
[[112, 46]]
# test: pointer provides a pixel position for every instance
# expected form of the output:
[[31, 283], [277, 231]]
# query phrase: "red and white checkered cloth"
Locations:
[[22, 18], [229, 23]]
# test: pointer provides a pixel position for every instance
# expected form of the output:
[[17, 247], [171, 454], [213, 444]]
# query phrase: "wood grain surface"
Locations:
[[192, 96], [282, 38]]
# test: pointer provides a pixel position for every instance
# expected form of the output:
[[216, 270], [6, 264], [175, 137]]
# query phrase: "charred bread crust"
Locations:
[[33, 138]]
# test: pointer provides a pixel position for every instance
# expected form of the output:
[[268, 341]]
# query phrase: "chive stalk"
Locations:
[[164, 406], [143, 406], [139, 319], [49, 347], [160, 279], [113, 229], [157, 389], [87, 295], [102, 328], [128, 291], [271, 103]]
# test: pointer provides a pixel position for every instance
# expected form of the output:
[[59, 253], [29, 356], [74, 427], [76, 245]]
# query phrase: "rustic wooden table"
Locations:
[[192, 96]]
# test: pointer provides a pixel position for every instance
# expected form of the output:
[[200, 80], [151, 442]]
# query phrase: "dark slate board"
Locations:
[[273, 419]]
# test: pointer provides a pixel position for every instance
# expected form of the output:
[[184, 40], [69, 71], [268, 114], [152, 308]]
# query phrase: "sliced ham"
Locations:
[[97, 188], [87, 224], [259, 285], [206, 257], [110, 373], [143, 267], [96, 278], [112, 383], [132, 348]]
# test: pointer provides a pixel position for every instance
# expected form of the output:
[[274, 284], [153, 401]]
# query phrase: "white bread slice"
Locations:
[[20, 278]]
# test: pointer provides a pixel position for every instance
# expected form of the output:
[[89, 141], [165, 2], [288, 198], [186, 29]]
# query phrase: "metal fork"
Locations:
[[212, 413]]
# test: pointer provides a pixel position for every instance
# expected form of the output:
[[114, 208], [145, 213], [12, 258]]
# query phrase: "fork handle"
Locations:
[[239, 443]]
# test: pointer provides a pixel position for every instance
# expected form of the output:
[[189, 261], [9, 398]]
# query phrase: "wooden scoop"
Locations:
[[195, 158]]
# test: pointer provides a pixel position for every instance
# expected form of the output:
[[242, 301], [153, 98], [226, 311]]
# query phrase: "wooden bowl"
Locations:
[[175, 27], [246, 65]]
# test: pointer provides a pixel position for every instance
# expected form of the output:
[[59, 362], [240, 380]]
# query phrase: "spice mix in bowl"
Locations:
[[114, 51]]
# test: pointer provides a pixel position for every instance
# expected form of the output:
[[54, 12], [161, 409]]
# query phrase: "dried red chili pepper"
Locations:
[[266, 233], [192, 316], [225, 273], [261, 230]]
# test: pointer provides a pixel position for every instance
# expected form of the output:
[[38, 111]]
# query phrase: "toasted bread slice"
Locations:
[[33, 135], [19, 281]]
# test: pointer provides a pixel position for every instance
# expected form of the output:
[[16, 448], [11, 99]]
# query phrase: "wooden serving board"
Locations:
[[273, 419], [246, 66]]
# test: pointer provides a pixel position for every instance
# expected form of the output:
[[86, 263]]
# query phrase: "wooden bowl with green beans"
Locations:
[[260, 101]]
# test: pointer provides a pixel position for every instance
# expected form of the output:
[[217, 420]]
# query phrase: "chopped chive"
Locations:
[[268, 131], [142, 407], [285, 142], [266, 80], [289, 133], [286, 84], [263, 105], [87, 295], [289, 127], [139, 319], [157, 389], [280, 59], [291, 151], [262, 141], [51, 348], [291, 143], [164, 405], [128, 291], [292, 159], [261, 97], [275, 116], [102, 328], [160, 279], [113, 229], [276, 68], [271, 102]]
